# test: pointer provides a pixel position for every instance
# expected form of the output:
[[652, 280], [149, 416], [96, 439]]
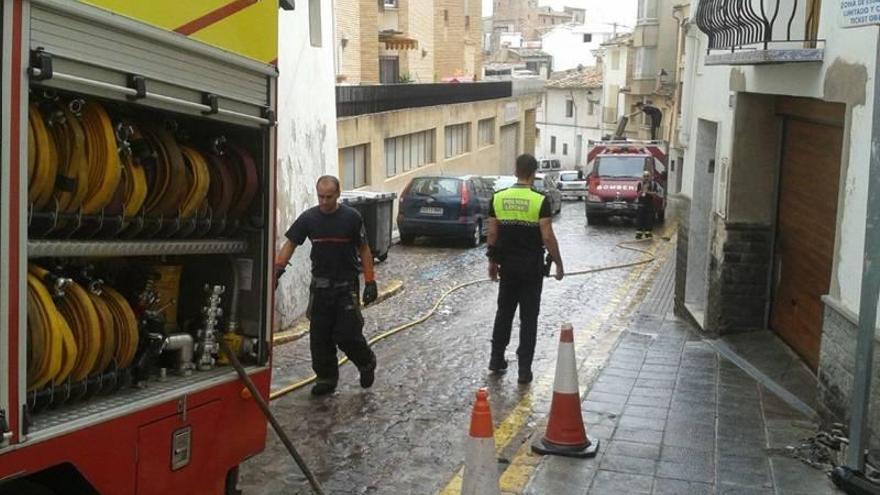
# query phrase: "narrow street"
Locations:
[[405, 435]]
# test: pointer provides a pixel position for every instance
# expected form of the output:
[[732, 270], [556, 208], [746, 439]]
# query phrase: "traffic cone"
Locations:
[[565, 433], [480, 464]]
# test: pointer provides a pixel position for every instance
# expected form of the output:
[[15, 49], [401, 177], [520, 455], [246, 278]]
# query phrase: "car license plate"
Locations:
[[431, 210], [617, 205]]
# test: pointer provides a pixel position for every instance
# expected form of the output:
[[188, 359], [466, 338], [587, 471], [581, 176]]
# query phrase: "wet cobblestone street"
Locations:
[[405, 434]]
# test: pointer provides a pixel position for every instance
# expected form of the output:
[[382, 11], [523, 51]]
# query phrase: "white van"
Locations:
[[549, 166]]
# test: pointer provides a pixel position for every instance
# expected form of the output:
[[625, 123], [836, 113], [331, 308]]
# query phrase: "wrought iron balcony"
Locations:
[[755, 32]]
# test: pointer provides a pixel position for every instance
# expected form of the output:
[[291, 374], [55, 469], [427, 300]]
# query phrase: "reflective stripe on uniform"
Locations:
[[518, 205]]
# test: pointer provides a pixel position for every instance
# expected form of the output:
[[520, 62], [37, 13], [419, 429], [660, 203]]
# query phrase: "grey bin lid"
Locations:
[[359, 197]]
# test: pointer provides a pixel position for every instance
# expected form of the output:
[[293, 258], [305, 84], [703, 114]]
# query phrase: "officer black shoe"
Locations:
[[368, 375], [497, 364], [524, 377], [323, 388], [649, 235], [639, 234]]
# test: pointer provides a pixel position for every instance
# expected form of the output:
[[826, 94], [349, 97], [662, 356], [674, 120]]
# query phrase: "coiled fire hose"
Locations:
[[628, 245]]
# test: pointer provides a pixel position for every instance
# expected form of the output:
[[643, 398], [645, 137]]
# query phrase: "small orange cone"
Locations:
[[565, 433], [480, 463]]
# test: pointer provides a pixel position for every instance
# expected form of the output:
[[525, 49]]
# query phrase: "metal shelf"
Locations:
[[48, 248]]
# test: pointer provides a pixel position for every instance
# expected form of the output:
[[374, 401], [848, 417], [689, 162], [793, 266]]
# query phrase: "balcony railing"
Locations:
[[362, 100], [788, 28]]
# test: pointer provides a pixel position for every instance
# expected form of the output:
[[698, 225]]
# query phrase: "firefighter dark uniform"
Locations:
[[334, 306], [519, 252], [646, 214]]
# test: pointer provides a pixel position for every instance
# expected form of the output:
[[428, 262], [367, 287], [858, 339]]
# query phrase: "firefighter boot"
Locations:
[[639, 234], [649, 235], [497, 364], [323, 388], [368, 374]]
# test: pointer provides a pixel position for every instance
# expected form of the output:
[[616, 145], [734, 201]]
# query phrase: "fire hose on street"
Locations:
[[628, 245], [264, 406]]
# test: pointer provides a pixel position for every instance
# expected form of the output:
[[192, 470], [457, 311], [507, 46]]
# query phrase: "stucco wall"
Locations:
[[555, 123], [373, 129], [849, 53], [306, 139]]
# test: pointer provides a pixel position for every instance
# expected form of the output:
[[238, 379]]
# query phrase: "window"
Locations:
[[408, 152], [389, 4], [467, 22], [591, 107], [552, 144], [646, 62], [458, 139], [315, 22], [354, 167], [569, 108], [615, 59], [446, 17], [564, 148], [647, 10], [486, 132], [588, 37]]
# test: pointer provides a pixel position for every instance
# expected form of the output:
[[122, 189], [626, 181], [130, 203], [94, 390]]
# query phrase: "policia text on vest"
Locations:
[[519, 229]]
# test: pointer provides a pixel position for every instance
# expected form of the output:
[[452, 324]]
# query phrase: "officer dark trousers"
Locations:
[[519, 286], [336, 320], [645, 220]]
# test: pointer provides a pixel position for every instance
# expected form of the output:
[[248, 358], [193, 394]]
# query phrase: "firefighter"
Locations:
[[339, 253], [519, 229], [654, 114], [647, 192]]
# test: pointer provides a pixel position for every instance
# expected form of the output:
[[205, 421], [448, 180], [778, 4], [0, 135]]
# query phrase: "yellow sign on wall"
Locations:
[[245, 27]]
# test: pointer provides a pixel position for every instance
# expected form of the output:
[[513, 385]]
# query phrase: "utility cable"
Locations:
[[650, 257]]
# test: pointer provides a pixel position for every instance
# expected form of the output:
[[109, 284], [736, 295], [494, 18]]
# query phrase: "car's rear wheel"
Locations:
[[594, 219], [407, 239], [477, 235]]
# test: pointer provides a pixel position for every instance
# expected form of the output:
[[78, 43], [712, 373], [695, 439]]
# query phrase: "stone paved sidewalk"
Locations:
[[674, 417]]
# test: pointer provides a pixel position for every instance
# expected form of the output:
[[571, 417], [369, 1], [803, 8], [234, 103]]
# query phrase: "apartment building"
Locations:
[[570, 115], [422, 41], [529, 19]]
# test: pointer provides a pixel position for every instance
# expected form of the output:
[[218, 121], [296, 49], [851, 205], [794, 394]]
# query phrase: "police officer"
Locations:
[[519, 229], [339, 252]]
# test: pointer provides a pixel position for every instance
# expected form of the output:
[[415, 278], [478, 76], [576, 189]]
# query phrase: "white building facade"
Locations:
[[775, 183], [306, 134], [570, 116], [573, 45]]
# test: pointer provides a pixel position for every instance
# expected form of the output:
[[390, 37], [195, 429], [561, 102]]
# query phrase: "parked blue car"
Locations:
[[442, 206]]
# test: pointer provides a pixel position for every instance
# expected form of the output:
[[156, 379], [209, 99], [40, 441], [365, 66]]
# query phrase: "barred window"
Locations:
[[408, 152], [458, 140], [354, 167], [486, 132]]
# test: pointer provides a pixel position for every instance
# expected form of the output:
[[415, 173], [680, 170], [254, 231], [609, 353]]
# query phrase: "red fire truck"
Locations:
[[136, 225], [615, 169]]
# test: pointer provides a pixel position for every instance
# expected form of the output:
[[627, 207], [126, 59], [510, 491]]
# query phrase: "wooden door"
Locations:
[[806, 229]]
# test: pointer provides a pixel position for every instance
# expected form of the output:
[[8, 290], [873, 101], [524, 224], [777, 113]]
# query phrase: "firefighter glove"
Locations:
[[371, 293], [279, 271]]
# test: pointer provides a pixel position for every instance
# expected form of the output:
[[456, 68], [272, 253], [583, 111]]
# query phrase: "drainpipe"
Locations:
[[870, 292]]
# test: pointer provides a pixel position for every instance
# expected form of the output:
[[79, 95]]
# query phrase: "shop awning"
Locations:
[[398, 41]]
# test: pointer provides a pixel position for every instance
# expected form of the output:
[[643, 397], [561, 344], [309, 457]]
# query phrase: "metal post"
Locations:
[[870, 293]]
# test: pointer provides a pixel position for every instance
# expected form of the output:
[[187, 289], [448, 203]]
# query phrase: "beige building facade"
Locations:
[[420, 41], [384, 151]]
